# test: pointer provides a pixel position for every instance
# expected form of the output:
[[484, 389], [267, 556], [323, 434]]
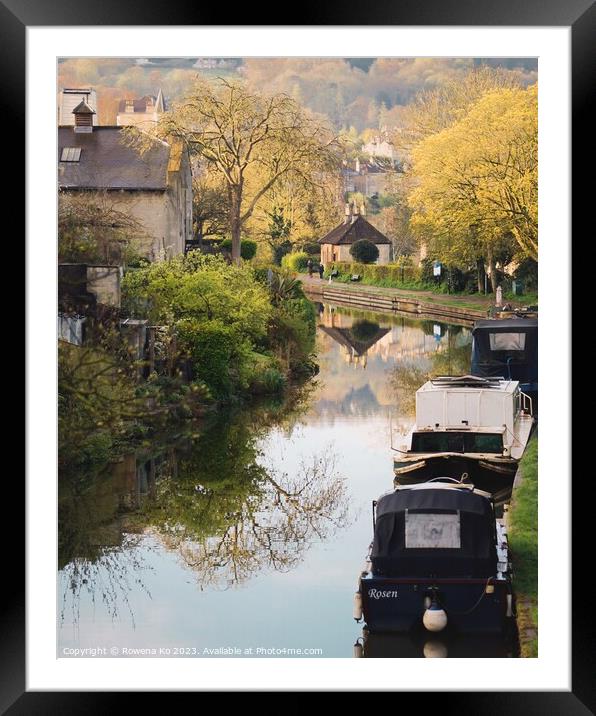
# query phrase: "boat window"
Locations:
[[507, 341], [431, 530], [483, 442], [457, 442]]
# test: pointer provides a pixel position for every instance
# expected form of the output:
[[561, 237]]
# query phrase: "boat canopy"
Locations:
[[434, 531], [507, 348]]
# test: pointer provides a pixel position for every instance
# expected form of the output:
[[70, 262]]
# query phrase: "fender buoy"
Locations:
[[435, 617], [357, 606]]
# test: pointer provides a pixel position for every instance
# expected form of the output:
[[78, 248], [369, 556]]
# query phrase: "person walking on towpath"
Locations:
[[309, 265], [321, 270]]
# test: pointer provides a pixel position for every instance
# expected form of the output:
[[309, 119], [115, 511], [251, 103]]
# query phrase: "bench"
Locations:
[[355, 277]]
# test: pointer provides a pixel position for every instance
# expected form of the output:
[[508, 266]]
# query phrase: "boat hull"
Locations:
[[489, 475], [397, 604]]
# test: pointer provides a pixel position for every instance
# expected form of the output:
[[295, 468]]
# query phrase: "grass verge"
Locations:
[[523, 541]]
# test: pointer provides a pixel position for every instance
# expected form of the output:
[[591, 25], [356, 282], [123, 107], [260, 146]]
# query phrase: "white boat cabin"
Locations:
[[471, 415]]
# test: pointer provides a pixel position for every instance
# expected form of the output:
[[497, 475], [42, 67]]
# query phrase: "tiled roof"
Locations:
[[351, 232], [139, 105], [107, 163]]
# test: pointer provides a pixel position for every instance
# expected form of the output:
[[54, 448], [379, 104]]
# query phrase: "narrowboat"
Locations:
[[507, 348], [470, 428], [438, 562]]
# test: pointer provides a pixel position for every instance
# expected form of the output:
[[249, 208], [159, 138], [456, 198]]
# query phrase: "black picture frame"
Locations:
[[580, 16]]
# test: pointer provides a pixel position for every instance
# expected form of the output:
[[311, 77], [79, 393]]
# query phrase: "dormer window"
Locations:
[[70, 154]]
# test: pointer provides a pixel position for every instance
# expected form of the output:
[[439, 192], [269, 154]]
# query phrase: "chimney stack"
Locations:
[[363, 209], [355, 212], [348, 213]]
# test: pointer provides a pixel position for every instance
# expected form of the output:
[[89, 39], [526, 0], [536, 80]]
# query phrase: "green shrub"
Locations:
[[527, 272], [248, 249], [212, 346], [267, 378], [296, 261], [364, 251], [292, 333]]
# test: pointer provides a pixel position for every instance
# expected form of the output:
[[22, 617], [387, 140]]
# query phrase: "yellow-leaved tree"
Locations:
[[477, 180]]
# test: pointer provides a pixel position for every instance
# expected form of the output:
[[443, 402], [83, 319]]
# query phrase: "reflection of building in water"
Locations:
[[355, 339], [396, 343], [404, 342], [133, 477]]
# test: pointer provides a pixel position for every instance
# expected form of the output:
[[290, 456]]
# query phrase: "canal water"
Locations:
[[246, 538]]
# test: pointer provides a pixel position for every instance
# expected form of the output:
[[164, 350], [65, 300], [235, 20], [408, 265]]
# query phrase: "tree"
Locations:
[[96, 229], [209, 208], [477, 181], [436, 109], [364, 251], [277, 234], [251, 140]]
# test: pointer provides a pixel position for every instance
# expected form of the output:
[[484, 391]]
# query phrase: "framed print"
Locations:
[[289, 262]]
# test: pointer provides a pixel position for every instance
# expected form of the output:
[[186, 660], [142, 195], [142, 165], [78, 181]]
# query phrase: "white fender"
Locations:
[[357, 606], [434, 618]]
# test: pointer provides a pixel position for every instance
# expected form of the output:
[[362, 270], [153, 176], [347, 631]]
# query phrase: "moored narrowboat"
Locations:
[[507, 348], [469, 428], [438, 561]]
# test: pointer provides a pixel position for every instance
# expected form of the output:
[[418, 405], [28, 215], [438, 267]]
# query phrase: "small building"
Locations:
[[143, 112], [153, 188], [335, 246]]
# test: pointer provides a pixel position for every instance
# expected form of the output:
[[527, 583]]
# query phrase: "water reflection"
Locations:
[[251, 529], [420, 644], [390, 357], [213, 500]]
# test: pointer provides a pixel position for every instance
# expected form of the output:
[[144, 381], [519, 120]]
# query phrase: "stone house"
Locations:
[[154, 188], [335, 246], [143, 112]]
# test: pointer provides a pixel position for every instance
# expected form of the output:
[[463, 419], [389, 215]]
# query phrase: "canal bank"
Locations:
[[463, 310], [523, 541]]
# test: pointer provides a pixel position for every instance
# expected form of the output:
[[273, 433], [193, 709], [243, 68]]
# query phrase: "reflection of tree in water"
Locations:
[[364, 330], [211, 499], [109, 578], [407, 376], [272, 527]]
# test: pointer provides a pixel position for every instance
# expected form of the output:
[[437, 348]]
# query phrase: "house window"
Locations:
[[70, 154]]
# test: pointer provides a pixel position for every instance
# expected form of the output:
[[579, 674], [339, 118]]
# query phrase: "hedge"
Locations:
[[248, 248], [390, 273], [297, 261]]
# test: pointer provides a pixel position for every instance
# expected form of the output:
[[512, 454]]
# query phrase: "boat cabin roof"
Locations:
[[505, 325], [465, 383], [434, 496]]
